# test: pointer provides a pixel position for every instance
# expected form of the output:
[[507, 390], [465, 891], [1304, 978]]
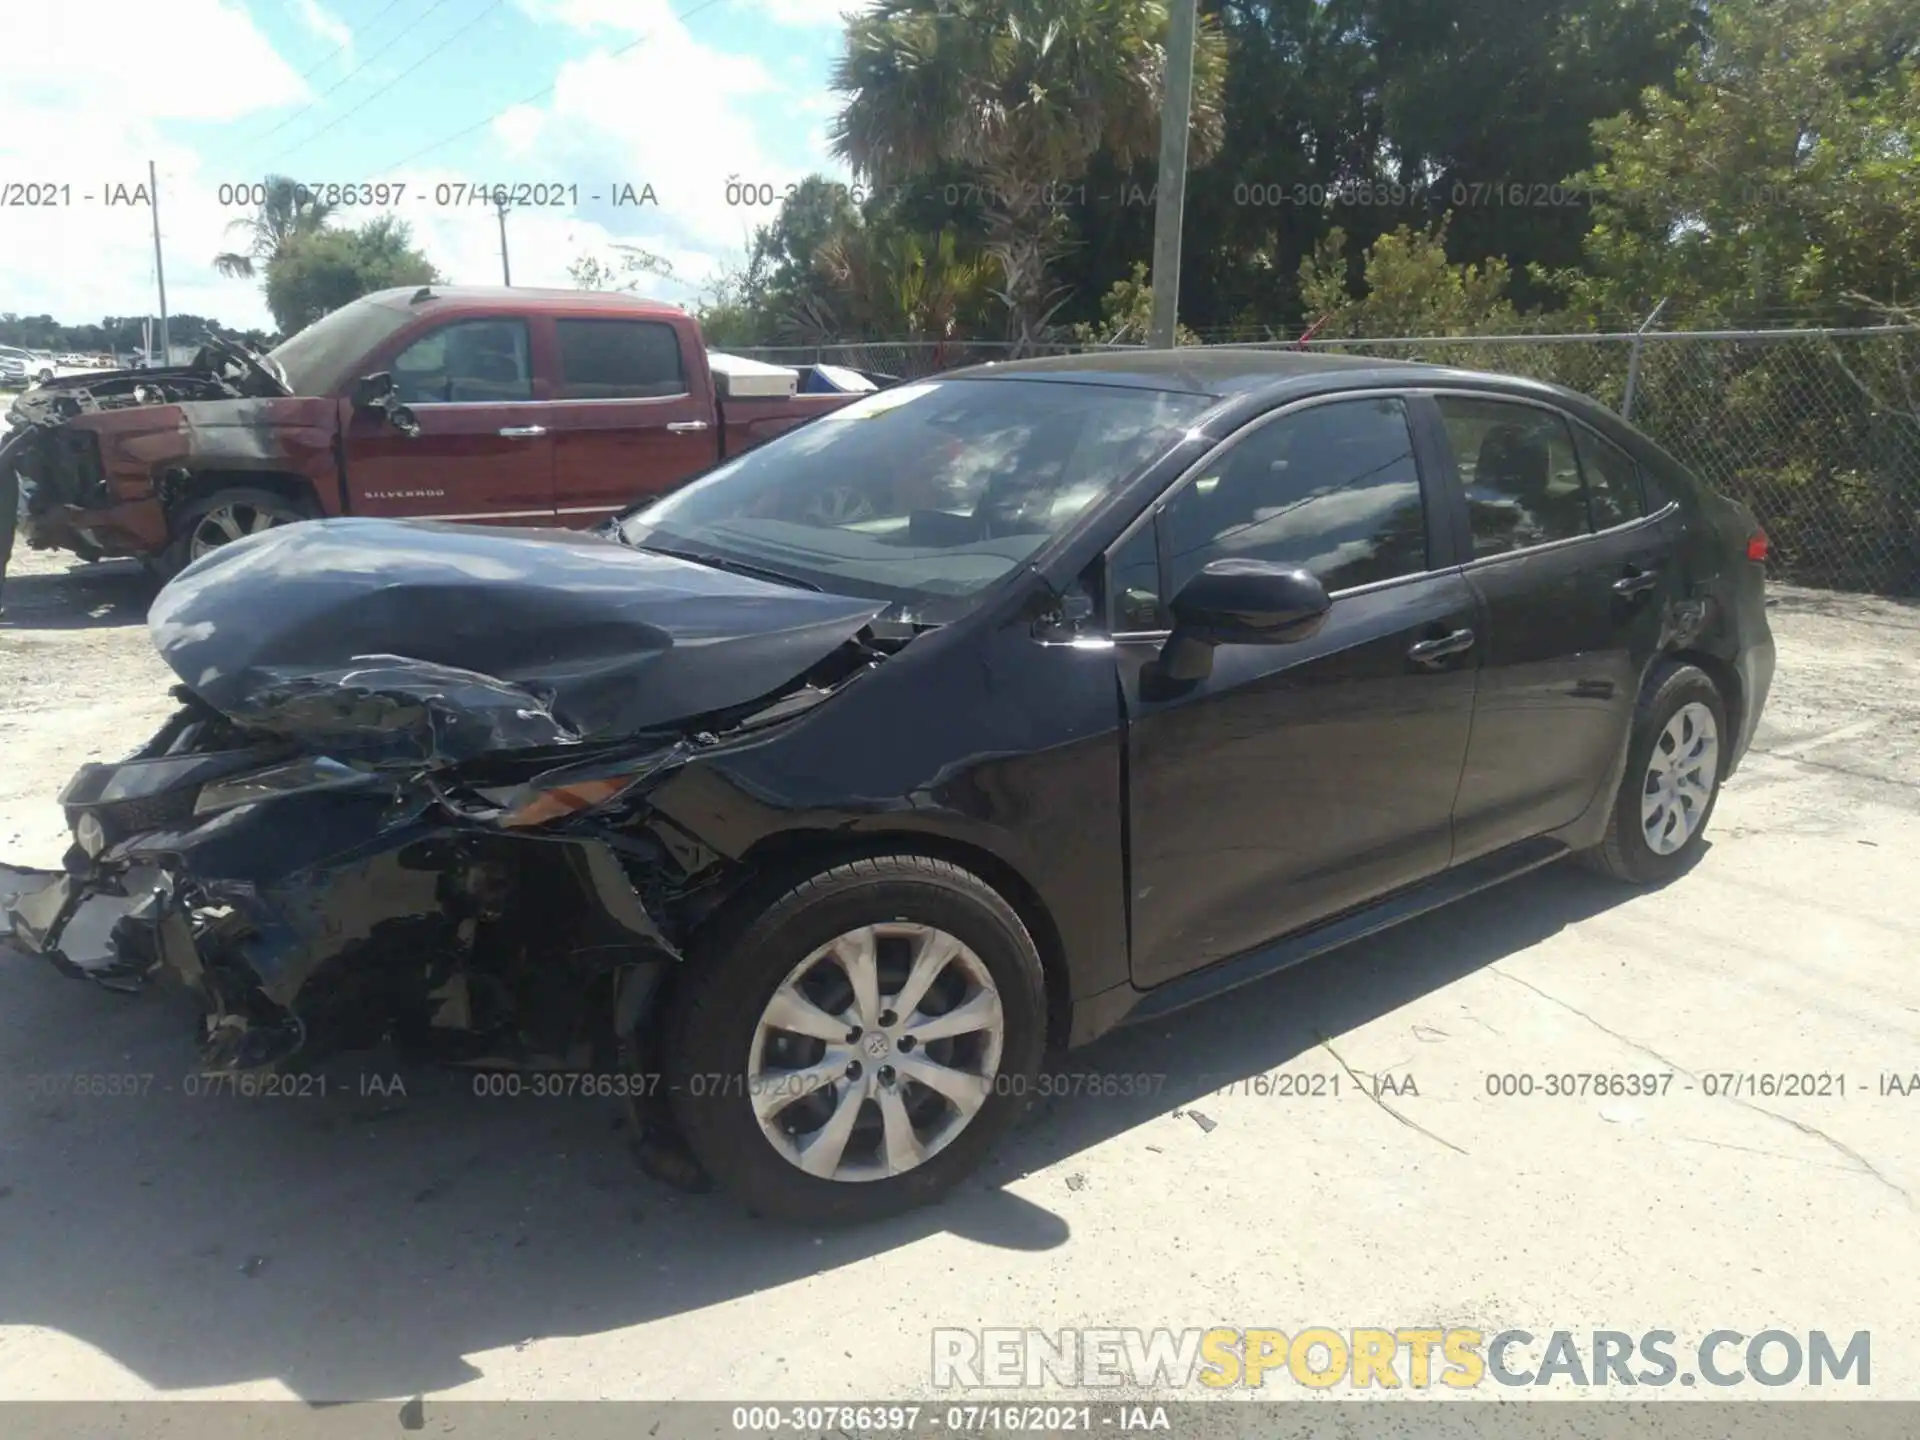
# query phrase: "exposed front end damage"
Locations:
[[407, 850], [89, 447]]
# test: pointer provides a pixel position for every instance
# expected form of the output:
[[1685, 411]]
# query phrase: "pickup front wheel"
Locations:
[[214, 520]]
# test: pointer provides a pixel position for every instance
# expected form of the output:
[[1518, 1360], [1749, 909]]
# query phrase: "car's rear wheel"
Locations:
[[853, 1048], [204, 525], [1674, 763]]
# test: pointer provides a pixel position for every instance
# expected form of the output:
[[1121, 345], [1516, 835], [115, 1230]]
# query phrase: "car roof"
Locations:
[[1210, 370], [1236, 372], [425, 298]]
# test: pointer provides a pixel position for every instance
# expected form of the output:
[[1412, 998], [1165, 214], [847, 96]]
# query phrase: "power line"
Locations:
[[391, 4], [344, 78], [346, 114], [540, 94]]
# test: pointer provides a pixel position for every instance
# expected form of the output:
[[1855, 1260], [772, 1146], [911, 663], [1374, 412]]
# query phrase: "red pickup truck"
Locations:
[[496, 406]]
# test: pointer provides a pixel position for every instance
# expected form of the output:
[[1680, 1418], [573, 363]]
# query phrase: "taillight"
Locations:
[[1757, 547]]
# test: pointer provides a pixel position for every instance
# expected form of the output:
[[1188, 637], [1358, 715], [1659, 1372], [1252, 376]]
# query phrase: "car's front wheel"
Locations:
[[1674, 764], [853, 1048]]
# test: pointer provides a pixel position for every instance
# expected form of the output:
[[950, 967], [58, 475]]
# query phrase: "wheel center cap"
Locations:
[[876, 1044]]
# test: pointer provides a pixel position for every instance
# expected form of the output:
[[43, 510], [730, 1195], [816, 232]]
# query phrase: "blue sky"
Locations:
[[580, 95]]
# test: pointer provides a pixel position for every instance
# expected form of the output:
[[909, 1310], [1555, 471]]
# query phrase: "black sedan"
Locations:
[[807, 807]]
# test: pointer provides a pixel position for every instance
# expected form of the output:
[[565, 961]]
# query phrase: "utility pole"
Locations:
[[1170, 198], [500, 208], [159, 269]]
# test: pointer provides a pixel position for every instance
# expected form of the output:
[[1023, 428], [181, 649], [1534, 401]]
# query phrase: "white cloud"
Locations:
[[672, 113], [644, 16], [94, 125], [324, 23], [832, 13], [185, 60]]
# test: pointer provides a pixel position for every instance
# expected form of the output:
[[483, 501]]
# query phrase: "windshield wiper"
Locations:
[[738, 567]]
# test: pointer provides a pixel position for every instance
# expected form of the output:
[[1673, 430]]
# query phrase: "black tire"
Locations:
[[187, 518], [732, 972], [1624, 854]]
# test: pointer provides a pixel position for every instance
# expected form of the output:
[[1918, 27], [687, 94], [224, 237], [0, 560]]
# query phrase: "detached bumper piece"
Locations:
[[113, 931]]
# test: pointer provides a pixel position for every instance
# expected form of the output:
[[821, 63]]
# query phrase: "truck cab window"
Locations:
[[619, 360], [472, 362]]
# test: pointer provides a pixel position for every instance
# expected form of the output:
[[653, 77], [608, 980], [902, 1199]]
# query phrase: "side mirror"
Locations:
[[376, 392], [372, 392], [1239, 602]]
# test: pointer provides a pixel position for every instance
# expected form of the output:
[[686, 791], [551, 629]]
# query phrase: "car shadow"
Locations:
[[83, 597], [362, 1244]]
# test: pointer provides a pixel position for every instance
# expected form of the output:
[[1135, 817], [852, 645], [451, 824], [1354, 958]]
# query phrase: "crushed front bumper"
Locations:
[[336, 921]]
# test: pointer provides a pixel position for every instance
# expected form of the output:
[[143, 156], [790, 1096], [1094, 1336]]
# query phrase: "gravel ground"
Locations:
[[362, 1246]]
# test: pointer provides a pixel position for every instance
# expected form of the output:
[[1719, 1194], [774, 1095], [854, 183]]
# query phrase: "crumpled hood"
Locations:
[[463, 640]]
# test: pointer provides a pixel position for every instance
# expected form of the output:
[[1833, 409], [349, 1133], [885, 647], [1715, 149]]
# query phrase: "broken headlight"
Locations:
[[295, 777]]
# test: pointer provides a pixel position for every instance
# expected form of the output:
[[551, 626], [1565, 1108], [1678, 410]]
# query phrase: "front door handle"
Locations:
[[686, 427], [1636, 582], [1427, 652], [524, 432]]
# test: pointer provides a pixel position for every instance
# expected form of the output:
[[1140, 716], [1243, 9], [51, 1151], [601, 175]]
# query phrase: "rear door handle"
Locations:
[[686, 427], [1429, 651], [524, 432], [1636, 582]]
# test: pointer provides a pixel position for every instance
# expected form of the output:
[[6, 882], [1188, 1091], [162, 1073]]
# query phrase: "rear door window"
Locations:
[[619, 360], [1614, 493], [1519, 472]]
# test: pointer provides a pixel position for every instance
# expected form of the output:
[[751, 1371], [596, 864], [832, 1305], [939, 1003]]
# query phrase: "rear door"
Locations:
[[1576, 580], [484, 452], [629, 418], [1297, 780]]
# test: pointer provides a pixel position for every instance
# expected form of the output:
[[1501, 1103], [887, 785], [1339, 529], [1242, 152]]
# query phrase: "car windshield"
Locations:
[[321, 358], [924, 494]]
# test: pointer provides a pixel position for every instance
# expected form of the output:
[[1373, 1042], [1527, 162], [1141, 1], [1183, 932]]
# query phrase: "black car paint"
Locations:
[[476, 640], [1157, 849]]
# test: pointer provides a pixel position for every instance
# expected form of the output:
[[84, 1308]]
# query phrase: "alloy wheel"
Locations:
[[1680, 778], [228, 523], [876, 1052]]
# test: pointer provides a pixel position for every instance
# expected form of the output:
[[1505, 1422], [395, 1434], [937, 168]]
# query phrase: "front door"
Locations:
[[1575, 581], [1298, 780], [484, 452]]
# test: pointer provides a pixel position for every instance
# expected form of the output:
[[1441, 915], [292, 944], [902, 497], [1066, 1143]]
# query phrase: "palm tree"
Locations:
[[289, 210], [894, 284], [1024, 93]]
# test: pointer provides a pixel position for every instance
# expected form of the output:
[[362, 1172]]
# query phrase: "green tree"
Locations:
[[1408, 287], [1126, 314], [1024, 94], [288, 212], [319, 271], [1780, 175], [888, 283]]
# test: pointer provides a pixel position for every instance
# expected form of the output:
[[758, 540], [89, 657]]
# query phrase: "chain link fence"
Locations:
[[1818, 431]]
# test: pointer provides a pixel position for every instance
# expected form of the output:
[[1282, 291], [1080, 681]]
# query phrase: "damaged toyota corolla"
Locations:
[[829, 793]]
